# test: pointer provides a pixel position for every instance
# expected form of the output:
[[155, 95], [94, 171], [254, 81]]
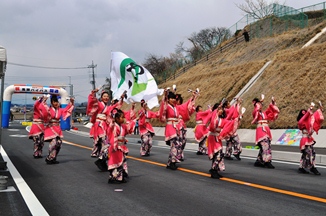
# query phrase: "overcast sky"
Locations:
[[73, 33]]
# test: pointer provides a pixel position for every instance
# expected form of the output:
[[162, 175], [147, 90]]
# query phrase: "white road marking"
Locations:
[[9, 189], [13, 130], [18, 135], [31, 201]]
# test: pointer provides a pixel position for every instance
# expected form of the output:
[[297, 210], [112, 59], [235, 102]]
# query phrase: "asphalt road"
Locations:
[[77, 187]]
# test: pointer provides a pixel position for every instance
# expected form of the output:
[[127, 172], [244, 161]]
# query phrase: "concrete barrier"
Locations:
[[248, 135]]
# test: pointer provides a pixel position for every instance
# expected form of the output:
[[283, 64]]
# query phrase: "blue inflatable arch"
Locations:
[[33, 89]]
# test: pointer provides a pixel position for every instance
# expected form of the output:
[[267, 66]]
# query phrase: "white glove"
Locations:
[[312, 104], [320, 104], [243, 110], [131, 100], [262, 97], [174, 87], [197, 90]]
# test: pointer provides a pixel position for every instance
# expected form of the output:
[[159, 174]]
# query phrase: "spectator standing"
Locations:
[[246, 35], [136, 131]]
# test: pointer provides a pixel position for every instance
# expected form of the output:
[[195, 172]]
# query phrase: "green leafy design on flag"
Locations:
[[136, 87]]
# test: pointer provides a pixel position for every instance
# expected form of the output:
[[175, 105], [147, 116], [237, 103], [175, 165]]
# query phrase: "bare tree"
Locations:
[[203, 41], [155, 64], [258, 9]]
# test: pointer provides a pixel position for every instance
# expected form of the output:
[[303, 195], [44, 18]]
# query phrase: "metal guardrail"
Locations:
[[286, 13]]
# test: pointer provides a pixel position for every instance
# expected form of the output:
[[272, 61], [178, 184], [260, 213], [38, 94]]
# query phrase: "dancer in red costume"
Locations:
[[170, 115], [309, 122], [118, 150], [201, 130], [219, 129], [233, 144], [37, 129], [145, 128], [263, 132], [185, 110], [99, 111], [53, 133]]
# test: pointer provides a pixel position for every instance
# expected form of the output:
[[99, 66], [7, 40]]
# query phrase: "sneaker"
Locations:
[[172, 166], [125, 175], [237, 156], [302, 170], [123, 180], [199, 153], [269, 165], [215, 174], [101, 165], [37, 156], [228, 158], [51, 161], [111, 181], [314, 171], [258, 164]]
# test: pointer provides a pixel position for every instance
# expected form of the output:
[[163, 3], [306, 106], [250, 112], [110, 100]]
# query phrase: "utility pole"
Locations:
[[71, 87], [93, 74]]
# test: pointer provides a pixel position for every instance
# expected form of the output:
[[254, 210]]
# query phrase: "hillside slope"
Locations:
[[295, 78]]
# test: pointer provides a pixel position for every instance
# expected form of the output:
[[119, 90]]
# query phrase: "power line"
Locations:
[[34, 66]]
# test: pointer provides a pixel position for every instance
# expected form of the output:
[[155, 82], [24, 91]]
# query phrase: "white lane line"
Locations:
[[9, 189], [29, 197]]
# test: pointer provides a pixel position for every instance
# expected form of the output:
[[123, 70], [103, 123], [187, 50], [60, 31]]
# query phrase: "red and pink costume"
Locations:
[[185, 111], [37, 129], [233, 145], [146, 130], [263, 132], [169, 114], [99, 113], [201, 130], [310, 122], [219, 129], [117, 164], [53, 133]]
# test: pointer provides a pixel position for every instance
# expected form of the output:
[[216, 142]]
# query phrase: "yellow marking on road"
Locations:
[[262, 187], [74, 144]]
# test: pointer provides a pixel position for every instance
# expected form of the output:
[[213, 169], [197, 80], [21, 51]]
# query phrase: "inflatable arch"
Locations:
[[33, 89]]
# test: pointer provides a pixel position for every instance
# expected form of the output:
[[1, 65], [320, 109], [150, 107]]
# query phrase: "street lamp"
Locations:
[[71, 87]]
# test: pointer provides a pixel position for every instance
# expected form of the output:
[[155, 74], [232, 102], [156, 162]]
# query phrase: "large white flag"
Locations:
[[127, 75]]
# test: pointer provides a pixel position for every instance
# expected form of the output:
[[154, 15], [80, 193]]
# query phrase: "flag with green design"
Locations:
[[127, 75]]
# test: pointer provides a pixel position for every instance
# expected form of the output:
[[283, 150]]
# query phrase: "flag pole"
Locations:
[[111, 63], [111, 78]]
